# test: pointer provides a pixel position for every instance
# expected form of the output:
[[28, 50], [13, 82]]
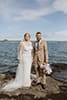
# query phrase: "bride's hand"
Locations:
[[19, 61]]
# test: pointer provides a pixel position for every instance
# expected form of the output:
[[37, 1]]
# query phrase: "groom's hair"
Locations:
[[38, 33]]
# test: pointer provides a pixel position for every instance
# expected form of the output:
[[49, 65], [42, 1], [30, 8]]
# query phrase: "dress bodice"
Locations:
[[27, 49]]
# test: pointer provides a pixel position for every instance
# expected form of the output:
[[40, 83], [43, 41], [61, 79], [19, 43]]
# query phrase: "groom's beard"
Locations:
[[38, 39]]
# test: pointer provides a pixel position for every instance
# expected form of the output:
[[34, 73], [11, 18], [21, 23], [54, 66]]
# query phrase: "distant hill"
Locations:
[[4, 40]]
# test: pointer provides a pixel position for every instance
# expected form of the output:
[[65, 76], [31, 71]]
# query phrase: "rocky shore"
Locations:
[[55, 90]]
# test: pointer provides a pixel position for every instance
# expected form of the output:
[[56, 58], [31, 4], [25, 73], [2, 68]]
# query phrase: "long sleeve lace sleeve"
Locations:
[[33, 53], [20, 49]]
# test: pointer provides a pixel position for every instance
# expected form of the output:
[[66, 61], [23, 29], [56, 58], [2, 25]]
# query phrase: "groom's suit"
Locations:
[[40, 56]]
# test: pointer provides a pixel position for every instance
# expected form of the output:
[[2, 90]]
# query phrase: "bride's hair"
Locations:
[[27, 34]]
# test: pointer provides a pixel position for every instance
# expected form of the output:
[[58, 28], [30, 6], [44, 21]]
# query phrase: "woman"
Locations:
[[22, 78]]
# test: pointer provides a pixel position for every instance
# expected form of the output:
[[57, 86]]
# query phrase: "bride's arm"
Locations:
[[20, 49], [32, 52]]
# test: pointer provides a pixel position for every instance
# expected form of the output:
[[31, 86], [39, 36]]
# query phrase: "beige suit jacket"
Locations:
[[40, 55]]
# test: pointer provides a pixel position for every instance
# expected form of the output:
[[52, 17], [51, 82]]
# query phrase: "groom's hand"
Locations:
[[32, 62], [45, 63]]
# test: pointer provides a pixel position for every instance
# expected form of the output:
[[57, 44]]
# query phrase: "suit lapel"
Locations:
[[40, 44]]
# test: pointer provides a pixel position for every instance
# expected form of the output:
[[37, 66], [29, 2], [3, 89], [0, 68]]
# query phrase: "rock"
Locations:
[[2, 76], [58, 67], [55, 90]]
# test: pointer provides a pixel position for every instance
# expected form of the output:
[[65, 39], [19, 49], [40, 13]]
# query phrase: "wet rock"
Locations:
[[58, 67], [55, 90]]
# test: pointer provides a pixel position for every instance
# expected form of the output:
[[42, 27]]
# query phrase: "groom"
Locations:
[[40, 54]]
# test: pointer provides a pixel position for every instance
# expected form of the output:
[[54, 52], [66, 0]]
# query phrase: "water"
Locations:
[[9, 51], [57, 52]]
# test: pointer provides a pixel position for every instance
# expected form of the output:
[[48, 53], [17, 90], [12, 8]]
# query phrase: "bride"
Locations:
[[22, 78]]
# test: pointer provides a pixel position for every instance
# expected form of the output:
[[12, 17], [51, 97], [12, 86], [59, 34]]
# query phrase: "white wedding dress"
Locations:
[[22, 78]]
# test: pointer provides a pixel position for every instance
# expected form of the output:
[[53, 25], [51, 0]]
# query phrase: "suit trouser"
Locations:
[[40, 75]]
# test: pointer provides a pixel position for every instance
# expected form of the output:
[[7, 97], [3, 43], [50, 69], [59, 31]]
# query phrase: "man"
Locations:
[[40, 54]]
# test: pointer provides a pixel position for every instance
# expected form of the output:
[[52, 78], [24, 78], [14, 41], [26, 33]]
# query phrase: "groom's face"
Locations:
[[38, 36]]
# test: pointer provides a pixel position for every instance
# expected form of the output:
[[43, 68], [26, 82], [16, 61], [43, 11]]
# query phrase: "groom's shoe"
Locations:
[[33, 83], [44, 86]]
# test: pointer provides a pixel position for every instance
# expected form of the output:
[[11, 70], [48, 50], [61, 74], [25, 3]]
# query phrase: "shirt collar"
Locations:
[[39, 40]]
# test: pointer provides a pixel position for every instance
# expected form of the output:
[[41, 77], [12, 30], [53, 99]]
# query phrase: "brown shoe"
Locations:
[[43, 86], [33, 83]]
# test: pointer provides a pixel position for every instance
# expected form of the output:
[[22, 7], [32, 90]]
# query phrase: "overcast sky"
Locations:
[[46, 16]]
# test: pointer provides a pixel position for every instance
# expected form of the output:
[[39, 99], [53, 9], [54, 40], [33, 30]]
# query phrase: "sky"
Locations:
[[46, 16]]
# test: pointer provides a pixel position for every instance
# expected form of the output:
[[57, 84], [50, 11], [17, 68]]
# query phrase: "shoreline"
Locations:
[[56, 90]]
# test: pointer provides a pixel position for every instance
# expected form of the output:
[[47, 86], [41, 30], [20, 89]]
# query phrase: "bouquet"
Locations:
[[46, 68]]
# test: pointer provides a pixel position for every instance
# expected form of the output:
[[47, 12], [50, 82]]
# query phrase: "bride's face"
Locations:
[[27, 37]]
